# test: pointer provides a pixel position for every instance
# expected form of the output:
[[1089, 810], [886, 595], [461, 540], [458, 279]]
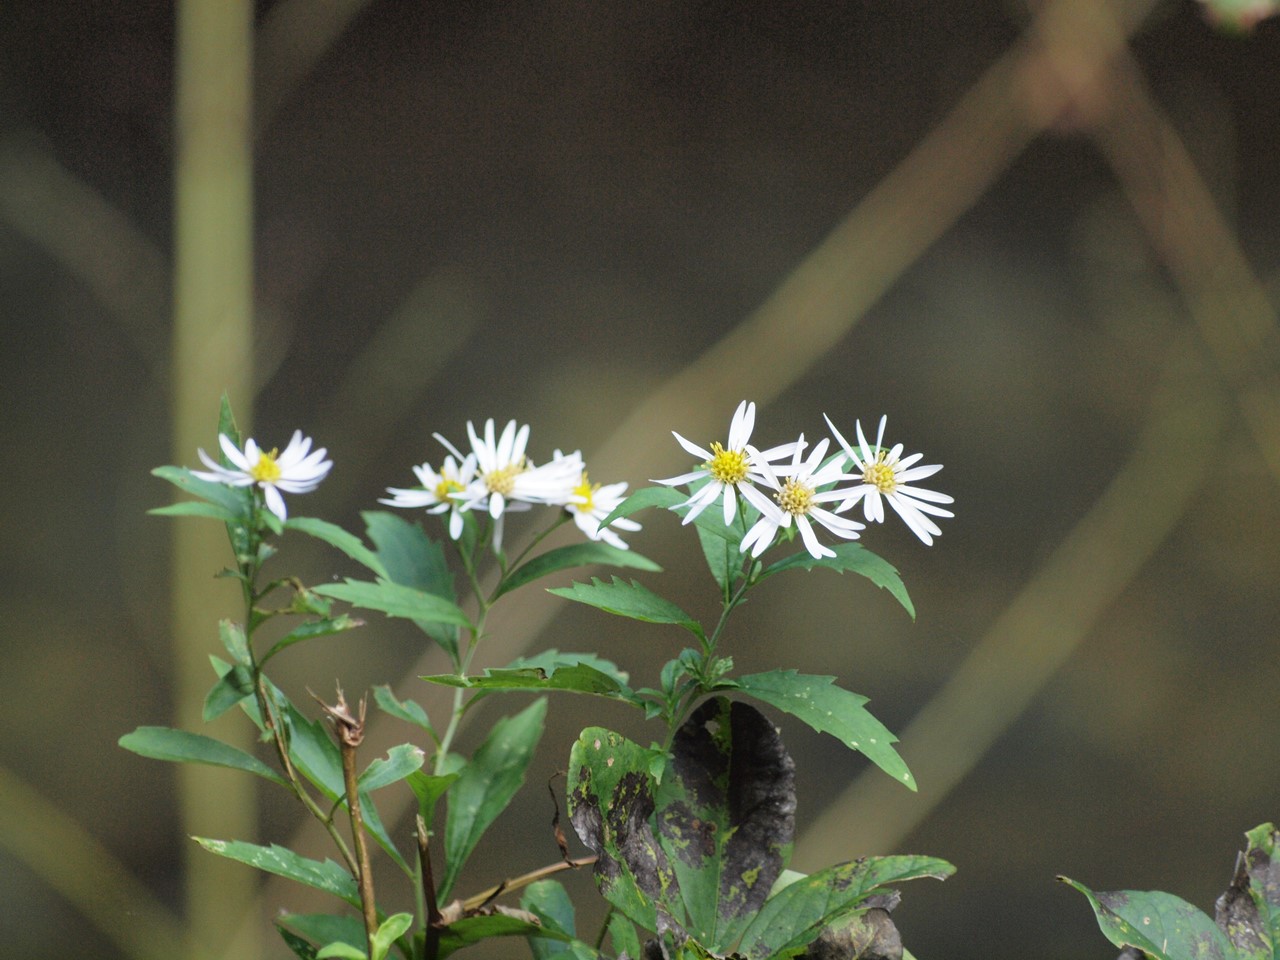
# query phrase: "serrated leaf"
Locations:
[[630, 600], [401, 761], [798, 913], [415, 560], [855, 558], [326, 876], [235, 500], [610, 805], [711, 520], [179, 746], [726, 817], [1161, 925], [828, 709], [405, 710], [487, 784], [573, 678], [724, 560], [312, 629], [396, 600], [575, 555], [336, 536]]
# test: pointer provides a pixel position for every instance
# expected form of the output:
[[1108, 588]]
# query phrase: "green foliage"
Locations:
[[549, 902], [401, 761], [335, 536], [487, 784], [574, 673], [695, 859], [313, 928], [566, 558], [179, 746], [325, 876], [396, 600], [630, 600], [413, 559], [855, 558], [1246, 922], [828, 709]]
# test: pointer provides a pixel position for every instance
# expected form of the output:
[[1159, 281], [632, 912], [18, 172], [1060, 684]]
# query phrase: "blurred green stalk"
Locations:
[[213, 306]]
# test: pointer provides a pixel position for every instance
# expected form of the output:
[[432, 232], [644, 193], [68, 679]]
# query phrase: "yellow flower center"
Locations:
[[880, 475], [586, 490], [446, 487], [794, 497], [266, 470], [503, 481], [727, 466]]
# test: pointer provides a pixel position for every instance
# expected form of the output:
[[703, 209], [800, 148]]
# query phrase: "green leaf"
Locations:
[[405, 710], [572, 677], [335, 536], [429, 788], [622, 934], [576, 555], [235, 641], [1159, 924], [237, 501], [301, 948], [487, 784], [630, 600], [395, 600], [610, 805], [549, 902], [341, 951], [853, 557], [234, 685], [797, 914], [227, 421], [643, 499], [315, 755], [413, 559], [401, 761], [324, 928], [312, 629], [162, 743], [726, 817], [388, 932], [723, 557], [195, 508], [469, 930], [828, 709], [1258, 878], [327, 876]]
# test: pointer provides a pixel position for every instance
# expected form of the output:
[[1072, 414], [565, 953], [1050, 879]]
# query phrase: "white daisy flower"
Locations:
[[887, 475], [591, 503], [798, 491], [507, 479], [438, 490], [298, 470], [728, 469]]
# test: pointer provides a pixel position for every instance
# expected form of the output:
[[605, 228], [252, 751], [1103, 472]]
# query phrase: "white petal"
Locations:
[[683, 478], [921, 494], [744, 421], [233, 454], [730, 505], [811, 540], [275, 502], [693, 448]]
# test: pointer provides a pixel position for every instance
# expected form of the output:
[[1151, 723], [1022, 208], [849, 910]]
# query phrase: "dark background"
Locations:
[[546, 210]]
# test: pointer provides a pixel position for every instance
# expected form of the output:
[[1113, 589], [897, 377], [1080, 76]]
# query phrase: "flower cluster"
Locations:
[[298, 470], [497, 477], [800, 486]]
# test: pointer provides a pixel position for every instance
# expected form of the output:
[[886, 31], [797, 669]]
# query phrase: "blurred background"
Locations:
[[1041, 240]]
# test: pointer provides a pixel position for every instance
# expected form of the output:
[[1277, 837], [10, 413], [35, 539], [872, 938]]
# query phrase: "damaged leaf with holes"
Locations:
[[1245, 924], [696, 856]]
